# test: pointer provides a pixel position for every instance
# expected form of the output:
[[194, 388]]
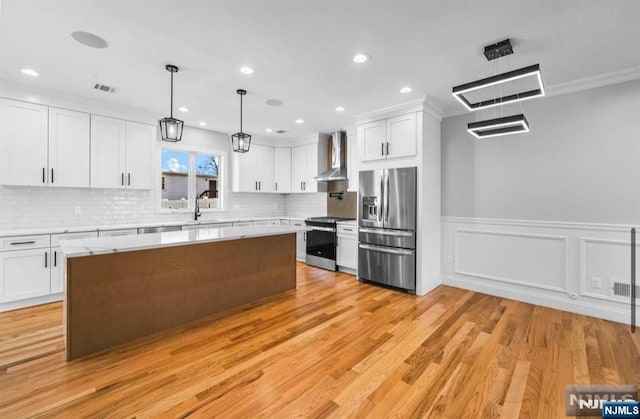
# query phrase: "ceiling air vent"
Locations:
[[280, 131], [104, 88]]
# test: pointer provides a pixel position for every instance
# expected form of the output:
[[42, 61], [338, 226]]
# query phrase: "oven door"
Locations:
[[387, 265], [321, 247]]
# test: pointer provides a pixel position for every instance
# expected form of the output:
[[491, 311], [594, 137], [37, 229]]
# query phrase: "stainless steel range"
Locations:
[[322, 241]]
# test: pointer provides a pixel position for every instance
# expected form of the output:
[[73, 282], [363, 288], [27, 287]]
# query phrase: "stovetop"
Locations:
[[328, 220]]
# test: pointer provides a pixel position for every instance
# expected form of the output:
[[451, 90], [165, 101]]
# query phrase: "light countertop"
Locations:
[[106, 245], [142, 224]]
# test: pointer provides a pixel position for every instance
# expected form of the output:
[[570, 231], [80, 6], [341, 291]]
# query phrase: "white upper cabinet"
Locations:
[[282, 170], [304, 167], [107, 152], [254, 171], [389, 138], [140, 139], [121, 153], [69, 142], [23, 143], [373, 137]]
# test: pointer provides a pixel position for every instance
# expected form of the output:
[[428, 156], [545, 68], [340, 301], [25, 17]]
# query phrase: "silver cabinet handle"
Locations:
[[43, 175], [332, 230], [387, 153], [55, 258], [128, 179], [389, 250], [46, 259], [18, 243], [395, 233], [259, 185], [276, 186], [51, 175], [380, 216], [122, 178], [386, 194], [256, 187], [382, 149], [347, 229]]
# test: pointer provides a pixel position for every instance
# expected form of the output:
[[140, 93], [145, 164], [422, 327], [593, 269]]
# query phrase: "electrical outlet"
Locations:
[[596, 283], [77, 209], [450, 260]]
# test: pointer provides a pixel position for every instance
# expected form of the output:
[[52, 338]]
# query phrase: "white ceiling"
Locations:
[[301, 51]]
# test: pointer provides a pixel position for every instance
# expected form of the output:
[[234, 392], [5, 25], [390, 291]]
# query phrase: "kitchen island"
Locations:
[[122, 288]]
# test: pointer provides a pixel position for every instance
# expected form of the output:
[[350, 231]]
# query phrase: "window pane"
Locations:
[[207, 187], [175, 179]]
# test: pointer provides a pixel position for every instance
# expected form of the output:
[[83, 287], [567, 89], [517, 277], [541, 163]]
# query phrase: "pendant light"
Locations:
[[171, 128], [241, 141]]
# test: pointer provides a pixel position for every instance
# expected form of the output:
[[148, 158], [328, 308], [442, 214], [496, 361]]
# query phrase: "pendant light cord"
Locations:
[[171, 94], [241, 113]]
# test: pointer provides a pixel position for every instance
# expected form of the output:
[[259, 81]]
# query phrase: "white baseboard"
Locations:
[[14, 305]]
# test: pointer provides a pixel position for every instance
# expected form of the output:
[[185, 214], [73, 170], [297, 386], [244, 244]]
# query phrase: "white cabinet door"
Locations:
[[108, 152], [24, 274], [401, 136], [298, 168], [301, 241], [69, 145], [23, 143], [312, 168], [243, 167], [264, 168], [347, 252], [282, 170], [140, 139], [373, 138], [57, 270]]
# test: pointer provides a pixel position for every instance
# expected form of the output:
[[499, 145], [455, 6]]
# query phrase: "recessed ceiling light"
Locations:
[[361, 58], [339, 109], [299, 121], [203, 124], [246, 70], [274, 102], [183, 109], [405, 89], [89, 39], [268, 129], [29, 72]]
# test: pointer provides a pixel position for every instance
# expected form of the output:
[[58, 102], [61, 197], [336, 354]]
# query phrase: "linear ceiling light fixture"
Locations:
[[171, 128], [492, 52], [507, 125]]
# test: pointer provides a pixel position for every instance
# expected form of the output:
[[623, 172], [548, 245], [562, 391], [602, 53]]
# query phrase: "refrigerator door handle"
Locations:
[[381, 212], [382, 249], [386, 232], [386, 205]]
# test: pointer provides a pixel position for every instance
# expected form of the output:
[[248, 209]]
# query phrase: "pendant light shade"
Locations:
[[240, 141], [171, 128]]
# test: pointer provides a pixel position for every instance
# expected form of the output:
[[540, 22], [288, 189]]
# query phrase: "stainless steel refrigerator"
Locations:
[[387, 227]]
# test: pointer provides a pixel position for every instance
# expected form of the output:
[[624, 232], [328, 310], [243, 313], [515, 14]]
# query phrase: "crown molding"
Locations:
[[419, 105], [592, 82]]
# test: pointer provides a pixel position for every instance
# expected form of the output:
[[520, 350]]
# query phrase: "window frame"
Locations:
[[192, 150]]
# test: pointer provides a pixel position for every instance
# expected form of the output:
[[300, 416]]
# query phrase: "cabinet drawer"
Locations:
[[55, 238], [297, 223], [121, 232], [24, 242], [347, 229]]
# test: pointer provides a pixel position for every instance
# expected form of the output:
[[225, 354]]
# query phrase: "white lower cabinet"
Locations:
[[57, 270], [347, 251], [301, 241], [24, 274]]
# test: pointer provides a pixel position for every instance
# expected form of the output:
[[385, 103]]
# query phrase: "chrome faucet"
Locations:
[[197, 213]]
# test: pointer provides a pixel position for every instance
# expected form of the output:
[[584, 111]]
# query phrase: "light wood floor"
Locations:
[[334, 347]]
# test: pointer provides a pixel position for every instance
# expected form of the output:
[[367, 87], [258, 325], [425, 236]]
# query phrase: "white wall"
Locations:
[[544, 217]]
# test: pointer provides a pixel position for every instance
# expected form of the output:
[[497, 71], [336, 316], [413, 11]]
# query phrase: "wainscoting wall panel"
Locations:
[[567, 266]]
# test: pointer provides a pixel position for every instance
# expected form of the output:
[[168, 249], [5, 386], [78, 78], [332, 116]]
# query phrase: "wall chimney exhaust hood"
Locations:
[[338, 171]]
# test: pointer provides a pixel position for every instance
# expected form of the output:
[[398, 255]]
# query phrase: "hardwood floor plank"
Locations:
[[333, 347]]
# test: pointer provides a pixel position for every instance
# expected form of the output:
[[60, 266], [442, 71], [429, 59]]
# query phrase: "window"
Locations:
[[187, 175]]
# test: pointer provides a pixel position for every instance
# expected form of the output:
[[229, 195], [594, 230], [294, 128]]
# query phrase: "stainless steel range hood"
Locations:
[[338, 171]]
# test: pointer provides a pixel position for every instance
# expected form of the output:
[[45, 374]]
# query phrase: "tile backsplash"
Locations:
[[45, 207]]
